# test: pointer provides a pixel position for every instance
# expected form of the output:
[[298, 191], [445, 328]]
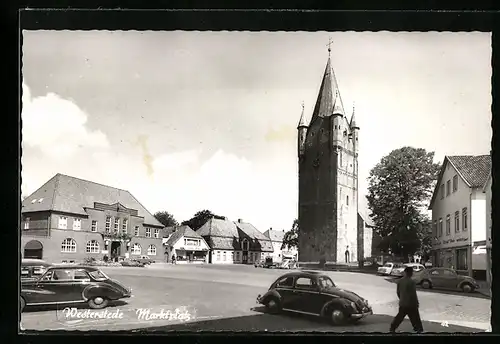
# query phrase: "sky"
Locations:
[[188, 121]]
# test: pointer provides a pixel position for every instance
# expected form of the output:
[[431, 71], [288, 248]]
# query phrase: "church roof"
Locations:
[[328, 95], [302, 121], [72, 195], [352, 123]]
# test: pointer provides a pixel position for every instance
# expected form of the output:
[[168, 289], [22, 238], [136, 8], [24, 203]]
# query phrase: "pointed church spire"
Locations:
[[328, 95], [353, 124], [302, 121]]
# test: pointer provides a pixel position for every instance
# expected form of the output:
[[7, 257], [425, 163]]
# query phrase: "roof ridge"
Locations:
[[92, 182], [54, 195]]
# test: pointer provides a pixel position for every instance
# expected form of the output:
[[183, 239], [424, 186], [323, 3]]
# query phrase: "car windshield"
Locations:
[[326, 282], [98, 275]]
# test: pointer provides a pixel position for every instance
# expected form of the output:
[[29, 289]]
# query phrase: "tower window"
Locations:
[[347, 200]]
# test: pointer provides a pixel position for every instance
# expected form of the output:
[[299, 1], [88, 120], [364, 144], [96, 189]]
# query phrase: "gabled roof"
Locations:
[[274, 235], [258, 240], [328, 95], [182, 231], [72, 195], [218, 227], [473, 169]]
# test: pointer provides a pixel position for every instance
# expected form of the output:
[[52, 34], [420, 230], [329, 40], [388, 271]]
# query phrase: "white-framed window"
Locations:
[[148, 232], [136, 230], [63, 222], [136, 249], [245, 245], [108, 224], [238, 255], [192, 242], [124, 225], [77, 224], [151, 250], [232, 256], [347, 200], [157, 233], [93, 226], [218, 255], [68, 245], [224, 256], [92, 246], [27, 223], [117, 224]]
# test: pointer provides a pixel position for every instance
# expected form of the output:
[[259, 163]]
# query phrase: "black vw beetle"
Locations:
[[70, 285], [314, 293]]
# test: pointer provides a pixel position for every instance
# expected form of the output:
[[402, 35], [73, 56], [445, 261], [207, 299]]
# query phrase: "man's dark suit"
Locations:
[[408, 305]]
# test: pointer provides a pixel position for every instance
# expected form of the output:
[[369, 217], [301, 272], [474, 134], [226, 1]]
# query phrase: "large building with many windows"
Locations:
[[69, 219], [458, 207]]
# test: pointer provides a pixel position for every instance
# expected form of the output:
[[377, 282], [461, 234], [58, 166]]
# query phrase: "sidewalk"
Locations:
[[484, 288]]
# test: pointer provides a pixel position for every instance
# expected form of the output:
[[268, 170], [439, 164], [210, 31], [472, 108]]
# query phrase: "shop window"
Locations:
[[462, 260]]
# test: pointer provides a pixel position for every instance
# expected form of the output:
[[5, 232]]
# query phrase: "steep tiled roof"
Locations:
[[71, 195], [274, 235], [258, 240], [474, 169], [182, 231], [222, 243], [218, 227]]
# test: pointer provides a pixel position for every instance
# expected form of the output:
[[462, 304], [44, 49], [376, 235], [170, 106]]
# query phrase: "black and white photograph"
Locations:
[[284, 181]]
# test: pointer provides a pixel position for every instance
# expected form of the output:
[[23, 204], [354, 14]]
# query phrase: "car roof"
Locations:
[[73, 267], [31, 261], [305, 273]]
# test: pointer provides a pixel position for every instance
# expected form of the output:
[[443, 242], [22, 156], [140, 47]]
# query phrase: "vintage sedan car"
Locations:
[[443, 278], [132, 262], [314, 293], [72, 285], [144, 260], [386, 269], [399, 272], [32, 269]]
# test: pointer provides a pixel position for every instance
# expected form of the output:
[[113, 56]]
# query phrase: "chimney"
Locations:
[[240, 220], [283, 231]]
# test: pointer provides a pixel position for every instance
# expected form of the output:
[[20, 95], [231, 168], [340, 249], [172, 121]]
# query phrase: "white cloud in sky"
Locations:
[[57, 126]]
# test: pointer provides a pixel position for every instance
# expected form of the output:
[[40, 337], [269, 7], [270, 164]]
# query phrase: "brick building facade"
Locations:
[[70, 219]]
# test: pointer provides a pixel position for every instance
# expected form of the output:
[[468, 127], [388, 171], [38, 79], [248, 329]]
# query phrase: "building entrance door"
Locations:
[[115, 250], [33, 249], [245, 257]]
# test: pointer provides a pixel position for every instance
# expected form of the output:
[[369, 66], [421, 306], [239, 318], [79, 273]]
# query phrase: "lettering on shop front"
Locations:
[[451, 241]]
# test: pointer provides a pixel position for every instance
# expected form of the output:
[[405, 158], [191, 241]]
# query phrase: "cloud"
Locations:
[[175, 160], [57, 126]]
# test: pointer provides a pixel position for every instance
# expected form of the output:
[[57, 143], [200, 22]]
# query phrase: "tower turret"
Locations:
[[337, 117], [302, 133], [354, 130]]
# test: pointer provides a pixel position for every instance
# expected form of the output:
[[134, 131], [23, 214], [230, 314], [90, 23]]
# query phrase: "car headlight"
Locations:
[[353, 305]]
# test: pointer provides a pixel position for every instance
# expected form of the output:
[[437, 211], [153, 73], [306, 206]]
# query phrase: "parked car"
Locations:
[[72, 285], [314, 293], [267, 263], [32, 269], [386, 269], [399, 272], [443, 278], [145, 260], [288, 264], [132, 262]]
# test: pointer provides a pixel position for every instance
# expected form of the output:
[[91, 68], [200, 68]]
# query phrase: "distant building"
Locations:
[[186, 245], [488, 192], [234, 242], [365, 226], [458, 207], [276, 238], [328, 178], [69, 219]]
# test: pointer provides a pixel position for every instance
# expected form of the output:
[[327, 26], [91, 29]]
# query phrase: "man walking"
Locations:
[[408, 303]]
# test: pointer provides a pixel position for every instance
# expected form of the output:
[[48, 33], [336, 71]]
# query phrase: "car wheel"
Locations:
[[98, 302], [273, 305], [23, 304], [426, 284], [467, 288], [337, 316]]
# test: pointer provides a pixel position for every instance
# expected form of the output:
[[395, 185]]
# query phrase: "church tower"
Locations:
[[328, 178]]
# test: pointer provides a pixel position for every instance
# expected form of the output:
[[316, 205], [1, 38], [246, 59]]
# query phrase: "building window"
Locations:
[[441, 191], [457, 222], [68, 246], [136, 230], [136, 249], [157, 233], [152, 250], [108, 224], [238, 256], [77, 224], [245, 245], [117, 225], [148, 232], [347, 200], [455, 183], [124, 226], [464, 219], [27, 223], [92, 246], [440, 234], [232, 256], [218, 255], [448, 225], [224, 256], [434, 229], [462, 260], [63, 222], [448, 187], [93, 226]]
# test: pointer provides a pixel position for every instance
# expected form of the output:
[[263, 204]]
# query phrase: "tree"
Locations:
[[200, 218], [400, 187], [166, 219], [291, 238]]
